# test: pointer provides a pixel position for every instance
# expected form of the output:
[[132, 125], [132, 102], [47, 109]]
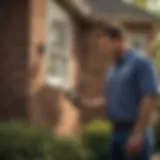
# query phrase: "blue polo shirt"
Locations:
[[130, 79]]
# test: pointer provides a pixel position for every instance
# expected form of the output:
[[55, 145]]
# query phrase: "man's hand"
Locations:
[[134, 144], [73, 96], [93, 102]]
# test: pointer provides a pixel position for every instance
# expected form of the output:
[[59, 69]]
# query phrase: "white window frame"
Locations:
[[55, 13]]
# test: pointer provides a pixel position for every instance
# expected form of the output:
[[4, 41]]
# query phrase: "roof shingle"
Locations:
[[119, 7]]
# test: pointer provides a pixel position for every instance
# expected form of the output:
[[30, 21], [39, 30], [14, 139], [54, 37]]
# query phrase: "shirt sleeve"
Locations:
[[147, 79]]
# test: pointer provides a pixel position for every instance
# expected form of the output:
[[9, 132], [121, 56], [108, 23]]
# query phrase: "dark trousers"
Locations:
[[118, 143]]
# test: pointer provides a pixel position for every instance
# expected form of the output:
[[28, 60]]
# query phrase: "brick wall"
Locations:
[[93, 66], [13, 58], [37, 16]]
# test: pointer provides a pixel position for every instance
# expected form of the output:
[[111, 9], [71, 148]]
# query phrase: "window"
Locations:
[[157, 57], [58, 46], [138, 42]]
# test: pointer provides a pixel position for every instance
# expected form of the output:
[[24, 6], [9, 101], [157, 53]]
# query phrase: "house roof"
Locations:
[[76, 14], [118, 7], [73, 10]]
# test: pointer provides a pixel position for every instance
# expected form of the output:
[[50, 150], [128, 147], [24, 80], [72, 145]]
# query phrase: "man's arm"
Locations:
[[148, 88], [146, 109], [77, 99], [93, 102], [147, 83]]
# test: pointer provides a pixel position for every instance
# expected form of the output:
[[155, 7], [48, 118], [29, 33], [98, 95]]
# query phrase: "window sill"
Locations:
[[57, 83]]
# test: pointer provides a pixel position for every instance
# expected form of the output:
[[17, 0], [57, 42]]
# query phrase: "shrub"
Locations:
[[21, 141], [157, 137], [95, 136], [157, 128], [24, 142], [68, 149]]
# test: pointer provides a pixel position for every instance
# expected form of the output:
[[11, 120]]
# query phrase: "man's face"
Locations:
[[111, 47]]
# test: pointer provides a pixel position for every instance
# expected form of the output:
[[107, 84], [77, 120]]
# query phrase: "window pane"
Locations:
[[58, 29], [138, 42], [58, 66], [58, 45], [61, 68]]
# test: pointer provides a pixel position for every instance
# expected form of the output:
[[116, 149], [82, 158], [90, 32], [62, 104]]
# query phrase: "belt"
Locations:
[[123, 125]]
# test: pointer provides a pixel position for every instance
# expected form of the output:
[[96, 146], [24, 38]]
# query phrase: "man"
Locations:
[[130, 95]]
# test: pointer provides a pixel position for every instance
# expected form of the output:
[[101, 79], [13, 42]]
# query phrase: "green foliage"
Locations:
[[141, 3], [144, 4], [157, 128], [28, 142], [24, 142], [157, 57], [157, 137], [68, 149], [96, 136]]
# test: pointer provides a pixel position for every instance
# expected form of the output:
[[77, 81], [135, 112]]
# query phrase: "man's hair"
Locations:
[[113, 32]]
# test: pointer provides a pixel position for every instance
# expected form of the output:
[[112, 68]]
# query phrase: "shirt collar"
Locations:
[[124, 57]]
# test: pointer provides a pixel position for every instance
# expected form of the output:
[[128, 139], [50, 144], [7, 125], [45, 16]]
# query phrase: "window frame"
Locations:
[[142, 36], [56, 80]]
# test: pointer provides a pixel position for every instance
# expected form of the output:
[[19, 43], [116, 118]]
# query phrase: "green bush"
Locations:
[[157, 128], [29, 142], [95, 136], [157, 137], [68, 149], [25, 142]]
